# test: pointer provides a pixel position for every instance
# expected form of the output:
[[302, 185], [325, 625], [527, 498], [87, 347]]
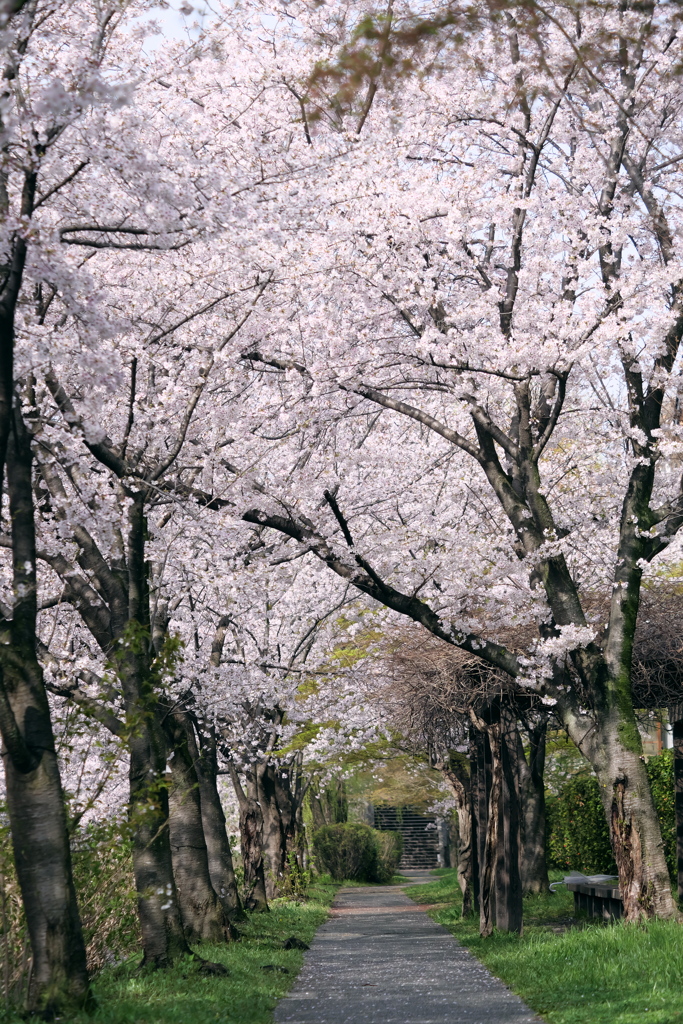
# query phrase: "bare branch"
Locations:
[[60, 184], [416, 414]]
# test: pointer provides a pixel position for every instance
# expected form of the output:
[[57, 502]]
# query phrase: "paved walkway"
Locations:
[[381, 960]]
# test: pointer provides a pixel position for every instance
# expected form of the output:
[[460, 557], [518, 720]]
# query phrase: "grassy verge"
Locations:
[[572, 971], [246, 996]]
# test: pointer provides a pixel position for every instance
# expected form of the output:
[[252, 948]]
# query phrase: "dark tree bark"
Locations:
[[483, 757], [317, 810], [533, 862], [508, 883], [221, 867], [329, 805], [489, 725], [476, 824], [35, 800], [290, 791], [163, 939], [202, 913], [676, 717], [251, 838], [500, 891], [458, 775], [11, 276], [286, 799], [274, 849]]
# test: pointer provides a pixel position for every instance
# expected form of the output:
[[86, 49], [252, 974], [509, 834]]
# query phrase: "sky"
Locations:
[[179, 19]]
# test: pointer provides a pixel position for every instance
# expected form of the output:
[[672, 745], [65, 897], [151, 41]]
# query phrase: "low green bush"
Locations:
[[357, 852], [347, 850], [389, 850]]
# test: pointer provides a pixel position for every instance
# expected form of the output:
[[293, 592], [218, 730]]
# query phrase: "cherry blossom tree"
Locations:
[[130, 446], [56, 72], [502, 276], [254, 329], [84, 176], [277, 688]]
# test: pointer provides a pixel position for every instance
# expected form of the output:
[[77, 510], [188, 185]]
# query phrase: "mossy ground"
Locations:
[[574, 972]]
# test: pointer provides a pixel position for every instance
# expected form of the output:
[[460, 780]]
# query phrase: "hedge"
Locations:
[[660, 771], [578, 837], [357, 852], [389, 850]]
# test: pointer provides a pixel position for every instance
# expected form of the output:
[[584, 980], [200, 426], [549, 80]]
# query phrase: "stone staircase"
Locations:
[[420, 837]]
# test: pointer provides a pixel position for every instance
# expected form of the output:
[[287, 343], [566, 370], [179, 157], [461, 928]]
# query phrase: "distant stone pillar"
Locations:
[[362, 811], [443, 853]]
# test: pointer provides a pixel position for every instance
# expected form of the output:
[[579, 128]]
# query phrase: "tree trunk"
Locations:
[[489, 855], [483, 757], [35, 803], [508, 883], [676, 717], [274, 850], [221, 867], [290, 791], [475, 743], [35, 800], [337, 802], [301, 851], [330, 805], [533, 863], [202, 914], [163, 939], [458, 776], [251, 839], [317, 811], [286, 801], [634, 825]]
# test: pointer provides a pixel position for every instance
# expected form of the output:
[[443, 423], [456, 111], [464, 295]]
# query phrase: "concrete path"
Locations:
[[381, 960]]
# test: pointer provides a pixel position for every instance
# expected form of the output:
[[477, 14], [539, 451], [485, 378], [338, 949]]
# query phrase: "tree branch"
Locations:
[[365, 579], [416, 414], [102, 452], [343, 525]]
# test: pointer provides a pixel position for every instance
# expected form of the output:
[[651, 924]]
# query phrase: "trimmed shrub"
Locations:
[[347, 850], [357, 852], [389, 850], [660, 771], [578, 837]]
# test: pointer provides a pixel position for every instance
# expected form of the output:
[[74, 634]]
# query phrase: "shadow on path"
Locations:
[[381, 960]]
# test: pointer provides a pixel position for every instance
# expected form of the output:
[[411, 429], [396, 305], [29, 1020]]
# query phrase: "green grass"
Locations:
[[574, 972], [246, 996]]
